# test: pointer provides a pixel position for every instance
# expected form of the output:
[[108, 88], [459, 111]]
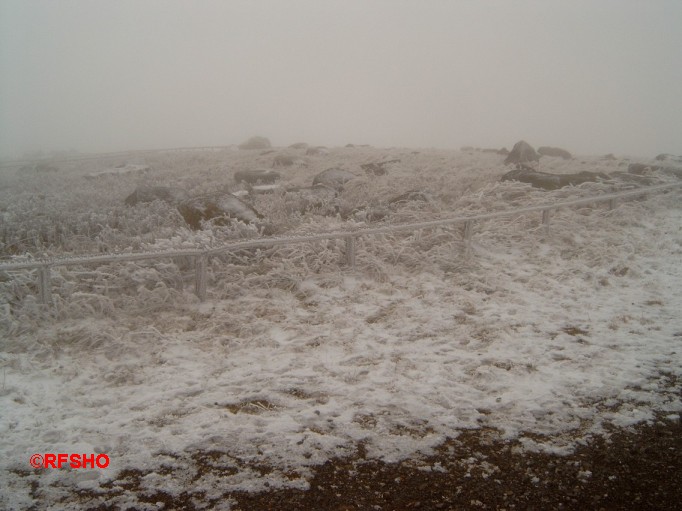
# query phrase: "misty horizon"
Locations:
[[593, 78]]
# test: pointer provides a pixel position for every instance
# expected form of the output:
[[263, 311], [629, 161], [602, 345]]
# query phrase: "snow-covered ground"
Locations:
[[294, 359]]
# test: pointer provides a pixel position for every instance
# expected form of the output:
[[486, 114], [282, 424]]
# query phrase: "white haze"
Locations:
[[593, 77]]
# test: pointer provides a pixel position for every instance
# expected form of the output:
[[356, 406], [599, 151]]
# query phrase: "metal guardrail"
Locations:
[[350, 235]]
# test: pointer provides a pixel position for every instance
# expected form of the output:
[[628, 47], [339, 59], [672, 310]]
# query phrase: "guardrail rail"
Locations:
[[350, 236]]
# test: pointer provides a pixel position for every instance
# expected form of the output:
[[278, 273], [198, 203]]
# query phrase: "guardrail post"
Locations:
[[200, 276], [466, 235], [350, 251], [612, 204], [545, 220], [44, 286], [468, 230]]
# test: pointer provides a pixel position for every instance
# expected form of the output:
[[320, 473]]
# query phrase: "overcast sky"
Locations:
[[592, 76]]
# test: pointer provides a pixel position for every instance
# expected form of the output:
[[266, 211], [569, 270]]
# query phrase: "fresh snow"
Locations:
[[294, 359]]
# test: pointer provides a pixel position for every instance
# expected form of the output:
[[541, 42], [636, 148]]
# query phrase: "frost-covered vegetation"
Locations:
[[295, 358], [65, 212]]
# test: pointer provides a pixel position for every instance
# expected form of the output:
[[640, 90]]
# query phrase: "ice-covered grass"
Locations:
[[294, 359]]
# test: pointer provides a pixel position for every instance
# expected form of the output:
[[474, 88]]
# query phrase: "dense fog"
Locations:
[[594, 77]]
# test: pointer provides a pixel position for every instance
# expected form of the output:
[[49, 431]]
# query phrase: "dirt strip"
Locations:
[[638, 468]]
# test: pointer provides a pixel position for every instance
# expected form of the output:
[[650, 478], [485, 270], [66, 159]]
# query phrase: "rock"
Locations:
[[369, 214], [285, 160], [319, 198], [673, 171], [256, 143], [317, 151], [551, 181], [333, 178], [632, 178], [642, 168], [555, 151], [581, 177], [119, 171], [609, 156], [522, 152], [504, 151], [299, 145], [167, 194], [412, 195], [256, 190], [666, 156], [537, 179], [264, 189], [257, 176], [378, 168], [222, 208]]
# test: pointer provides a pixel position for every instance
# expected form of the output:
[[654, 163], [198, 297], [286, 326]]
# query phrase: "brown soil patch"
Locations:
[[638, 468]]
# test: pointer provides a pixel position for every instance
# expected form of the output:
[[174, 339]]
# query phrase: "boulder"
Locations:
[[253, 177], [221, 208], [264, 189], [120, 170], [555, 151], [251, 191], [317, 151], [632, 178], [256, 143], [666, 157], [642, 168], [333, 178], [285, 160], [299, 145], [522, 152], [167, 194], [377, 168], [548, 181], [673, 171], [369, 214]]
